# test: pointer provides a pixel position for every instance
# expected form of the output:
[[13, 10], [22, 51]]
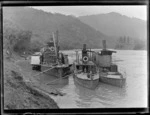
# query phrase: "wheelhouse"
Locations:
[[87, 68]]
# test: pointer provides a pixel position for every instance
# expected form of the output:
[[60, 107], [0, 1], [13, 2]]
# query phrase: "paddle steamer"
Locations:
[[50, 60]]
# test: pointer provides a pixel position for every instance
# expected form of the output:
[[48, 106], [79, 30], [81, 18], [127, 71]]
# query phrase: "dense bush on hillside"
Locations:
[[72, 32], [23, 44], [35, 46], [15, 40]]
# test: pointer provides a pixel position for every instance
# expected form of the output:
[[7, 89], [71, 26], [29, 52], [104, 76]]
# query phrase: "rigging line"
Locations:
[[44, 71]]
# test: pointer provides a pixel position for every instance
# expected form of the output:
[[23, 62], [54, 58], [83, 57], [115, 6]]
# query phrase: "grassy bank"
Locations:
[[19, 94]]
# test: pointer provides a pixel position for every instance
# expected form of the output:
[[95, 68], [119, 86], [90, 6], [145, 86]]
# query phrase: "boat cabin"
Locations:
[[85, 64], [86, 68], [49, 53]]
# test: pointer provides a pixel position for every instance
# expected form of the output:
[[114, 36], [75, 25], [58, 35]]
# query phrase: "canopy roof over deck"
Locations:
[[107, 52], [90, 63]]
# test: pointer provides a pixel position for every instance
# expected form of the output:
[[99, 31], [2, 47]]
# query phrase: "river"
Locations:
[[134, 94]]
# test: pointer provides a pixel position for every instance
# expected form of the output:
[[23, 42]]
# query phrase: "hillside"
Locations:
[[37, 26], [115, 24], [41, 24]]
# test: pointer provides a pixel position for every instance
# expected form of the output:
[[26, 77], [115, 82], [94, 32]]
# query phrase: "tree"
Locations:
[[35, 46], [128, 40], [23, 41]]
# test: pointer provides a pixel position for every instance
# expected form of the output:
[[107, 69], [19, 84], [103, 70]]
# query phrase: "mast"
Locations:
[[57, 41], [90, 55], [55, 44]]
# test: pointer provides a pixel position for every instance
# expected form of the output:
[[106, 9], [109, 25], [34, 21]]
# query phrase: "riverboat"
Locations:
[[108, 71], [85, 71], [51, 61]]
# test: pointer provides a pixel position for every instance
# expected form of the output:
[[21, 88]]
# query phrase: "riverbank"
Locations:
[[22, 92]]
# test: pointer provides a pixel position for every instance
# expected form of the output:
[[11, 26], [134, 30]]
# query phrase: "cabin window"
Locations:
[[93, 69], [85, 68], [94, 58], [78, 67]]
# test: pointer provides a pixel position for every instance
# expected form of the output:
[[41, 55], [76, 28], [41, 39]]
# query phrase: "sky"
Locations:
[[137, 11]]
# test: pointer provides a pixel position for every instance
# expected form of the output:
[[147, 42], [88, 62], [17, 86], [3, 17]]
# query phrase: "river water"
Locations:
[[134, 94]]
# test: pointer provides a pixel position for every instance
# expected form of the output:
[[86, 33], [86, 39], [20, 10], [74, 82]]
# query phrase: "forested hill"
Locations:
[[72, 32], [128, 33], [29, 29], [115, 24]]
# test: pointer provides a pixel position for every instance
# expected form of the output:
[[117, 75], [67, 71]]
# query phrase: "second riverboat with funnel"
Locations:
[[107, 70]]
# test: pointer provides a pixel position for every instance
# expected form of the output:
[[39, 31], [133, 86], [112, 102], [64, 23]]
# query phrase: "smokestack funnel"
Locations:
[[84, 46], [104, 44]]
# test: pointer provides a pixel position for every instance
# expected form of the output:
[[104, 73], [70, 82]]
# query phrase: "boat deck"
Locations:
[[111, 75], [56, 66], [84, 76]]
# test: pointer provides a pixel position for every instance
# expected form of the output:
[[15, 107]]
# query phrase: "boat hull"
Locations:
[[119, 82], [91, 84], [56, 71]]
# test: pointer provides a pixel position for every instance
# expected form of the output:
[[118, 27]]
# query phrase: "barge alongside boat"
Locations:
[[115, 78]]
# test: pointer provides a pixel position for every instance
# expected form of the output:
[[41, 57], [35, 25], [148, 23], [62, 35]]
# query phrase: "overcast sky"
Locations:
[[138, 11]]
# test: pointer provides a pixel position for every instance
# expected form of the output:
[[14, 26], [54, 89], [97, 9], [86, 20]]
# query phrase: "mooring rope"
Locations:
[[58, 79]]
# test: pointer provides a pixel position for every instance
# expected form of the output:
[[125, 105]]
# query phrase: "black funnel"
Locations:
[[84, 46], [104, 44]]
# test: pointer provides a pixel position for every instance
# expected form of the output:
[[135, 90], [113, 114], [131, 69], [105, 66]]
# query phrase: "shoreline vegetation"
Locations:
[[20, 92]]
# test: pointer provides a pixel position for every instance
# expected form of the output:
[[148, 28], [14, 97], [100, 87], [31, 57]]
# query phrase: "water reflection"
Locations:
[[110, 92], [60, 83], [85, 95], [104, 95]]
